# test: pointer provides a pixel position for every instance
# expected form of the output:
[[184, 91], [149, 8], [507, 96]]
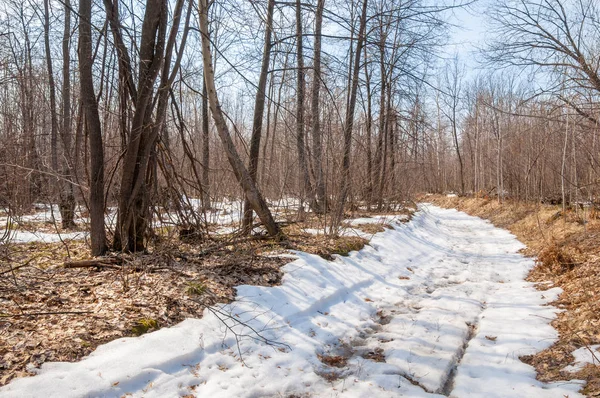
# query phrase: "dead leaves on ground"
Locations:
[[78, 309], [50, 313]]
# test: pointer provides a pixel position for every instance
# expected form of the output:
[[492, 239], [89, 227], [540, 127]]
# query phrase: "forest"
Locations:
[[159, 159]]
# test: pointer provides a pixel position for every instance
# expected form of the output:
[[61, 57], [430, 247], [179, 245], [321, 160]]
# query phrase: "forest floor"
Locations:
[[49, 312], [567, 250], [434, 307]]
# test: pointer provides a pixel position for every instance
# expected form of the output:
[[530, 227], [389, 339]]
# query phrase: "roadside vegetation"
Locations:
[[566, 245]]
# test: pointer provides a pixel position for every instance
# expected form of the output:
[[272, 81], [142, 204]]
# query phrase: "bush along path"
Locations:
[[435, 307]]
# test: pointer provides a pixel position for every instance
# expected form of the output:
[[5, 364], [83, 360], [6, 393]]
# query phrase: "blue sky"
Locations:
[[468, 33]]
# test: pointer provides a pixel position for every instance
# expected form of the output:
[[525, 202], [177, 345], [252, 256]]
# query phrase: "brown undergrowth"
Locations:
[[567, 247], [52, 313]]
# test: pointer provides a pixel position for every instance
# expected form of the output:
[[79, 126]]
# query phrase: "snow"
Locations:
[[17, 236], [442, 298], [584, 356], [47, 214], [226, 213], [379, 219]]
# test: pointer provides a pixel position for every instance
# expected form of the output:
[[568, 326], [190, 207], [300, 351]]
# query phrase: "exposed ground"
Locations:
[[52, 313], [567, 246]]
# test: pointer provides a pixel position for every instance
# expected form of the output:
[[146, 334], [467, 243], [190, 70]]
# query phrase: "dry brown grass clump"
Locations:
[[322, 245], [337, 361], [558, 259], [372, 228], [567, 246]]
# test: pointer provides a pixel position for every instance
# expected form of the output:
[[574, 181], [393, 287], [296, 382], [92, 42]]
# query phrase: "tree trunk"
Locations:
[[259, 107], [52, 91], [304, 177], [64, 186], [241, 173], [316, 125], [132, 220], [349, 122], [369, 128], [205, 150], [381, 138], [67, 191], [93, 128]]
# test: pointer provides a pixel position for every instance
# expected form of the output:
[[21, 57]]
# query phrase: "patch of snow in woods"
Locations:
[[224, 213], [379, 219], [17, 236], [584, 356], [441, 299]]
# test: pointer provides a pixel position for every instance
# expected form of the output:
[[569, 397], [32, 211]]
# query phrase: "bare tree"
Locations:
[[258, 203], [555, 36], [259, 107], [67, 191], [349, 120], [321, 202], [304, 176], [93, 128], [452, 99]]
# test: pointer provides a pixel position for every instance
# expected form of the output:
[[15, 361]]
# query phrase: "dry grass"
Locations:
[[322, 245], [567, 247], [337, 361], [372, 228]]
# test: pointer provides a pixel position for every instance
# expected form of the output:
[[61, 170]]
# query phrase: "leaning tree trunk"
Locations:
[[259, 107], [241, 173], [94, 131]]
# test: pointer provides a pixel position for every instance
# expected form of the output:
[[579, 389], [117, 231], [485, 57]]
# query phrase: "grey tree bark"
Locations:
[[321, 201], [259, 205], [349, 120], [304, 183], [94, 130], [259, 108], [67, 199]]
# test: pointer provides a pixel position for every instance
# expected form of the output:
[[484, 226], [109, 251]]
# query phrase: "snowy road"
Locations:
[[435, 307]]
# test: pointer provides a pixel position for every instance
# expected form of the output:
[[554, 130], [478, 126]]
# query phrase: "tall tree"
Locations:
[[453, 83], [155, 52], [304, 176], [349, 119], [259, 205], [93, 128], [205, 149], [321, 204], [67, 191], [259, 107]]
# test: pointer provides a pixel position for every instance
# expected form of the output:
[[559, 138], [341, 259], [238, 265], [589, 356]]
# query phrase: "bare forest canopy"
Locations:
[[143, 107]]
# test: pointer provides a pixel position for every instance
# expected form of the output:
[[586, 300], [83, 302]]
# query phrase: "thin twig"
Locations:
[[44, 313]]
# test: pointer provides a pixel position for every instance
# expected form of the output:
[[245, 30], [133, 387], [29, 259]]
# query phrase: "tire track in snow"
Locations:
[[412, 294], [459, 268]]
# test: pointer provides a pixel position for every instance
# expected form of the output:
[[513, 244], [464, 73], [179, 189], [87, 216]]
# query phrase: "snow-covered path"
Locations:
[[440, 299]]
